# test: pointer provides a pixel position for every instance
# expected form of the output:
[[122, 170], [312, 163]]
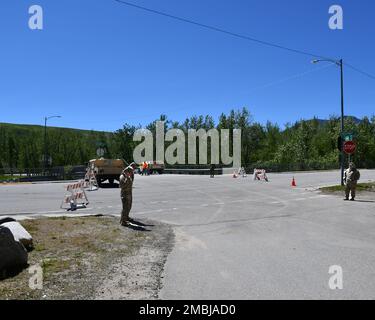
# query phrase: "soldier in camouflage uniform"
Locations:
[[126, 185], [351, 177]]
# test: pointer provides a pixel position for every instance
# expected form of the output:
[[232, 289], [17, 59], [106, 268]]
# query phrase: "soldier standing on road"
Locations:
[[126, 185], [212, 170], [351, 177]]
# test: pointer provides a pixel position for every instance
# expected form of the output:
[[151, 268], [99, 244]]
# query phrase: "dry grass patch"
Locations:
[[75, 254]]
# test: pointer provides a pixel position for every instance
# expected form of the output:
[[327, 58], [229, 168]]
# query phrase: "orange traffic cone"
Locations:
[[294, 183]]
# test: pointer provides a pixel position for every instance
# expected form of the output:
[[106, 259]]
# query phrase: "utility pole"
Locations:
[[342, 120], [45, 160], [45, 146], [339, 63]]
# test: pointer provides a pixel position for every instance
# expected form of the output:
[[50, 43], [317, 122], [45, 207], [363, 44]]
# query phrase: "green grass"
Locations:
[[6, 178], [370, 186], [39, 247], [54, 266]]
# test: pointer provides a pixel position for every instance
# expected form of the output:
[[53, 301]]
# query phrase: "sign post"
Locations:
[[346, 144]]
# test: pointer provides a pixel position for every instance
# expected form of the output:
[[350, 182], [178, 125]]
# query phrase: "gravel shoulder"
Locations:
[[93, 258]]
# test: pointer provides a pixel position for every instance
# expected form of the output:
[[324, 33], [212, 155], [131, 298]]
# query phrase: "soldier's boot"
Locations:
[[126, 207], [124, 220], [124, 214], [353, 194], [347, 192]]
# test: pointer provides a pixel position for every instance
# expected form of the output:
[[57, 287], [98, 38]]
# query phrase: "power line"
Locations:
[[169, 111], [292, 77], [234, 34], [238, 35], [359, 71]]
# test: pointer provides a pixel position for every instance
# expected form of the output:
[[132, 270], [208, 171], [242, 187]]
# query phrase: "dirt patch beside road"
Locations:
[[93, 258]]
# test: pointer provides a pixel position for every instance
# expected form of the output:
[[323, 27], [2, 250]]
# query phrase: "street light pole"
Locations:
[[339, 63], [342, 119], [45, 146], [45, 160]]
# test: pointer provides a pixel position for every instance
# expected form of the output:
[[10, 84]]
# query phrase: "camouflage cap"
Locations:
[[127, 169], [133, 165]]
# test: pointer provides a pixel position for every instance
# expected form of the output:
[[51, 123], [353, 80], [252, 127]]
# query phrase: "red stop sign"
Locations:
[[349, 147]]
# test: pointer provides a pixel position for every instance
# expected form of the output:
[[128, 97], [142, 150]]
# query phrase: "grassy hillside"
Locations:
[[22, 146], [25, 128], [304, 145]]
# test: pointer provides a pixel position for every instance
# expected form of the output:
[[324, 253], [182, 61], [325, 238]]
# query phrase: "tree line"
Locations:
[[23, 146], [303, 145]]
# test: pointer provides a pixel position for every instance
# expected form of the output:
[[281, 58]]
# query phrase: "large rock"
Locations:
[[13, 255], [7, 219], [20, 234]]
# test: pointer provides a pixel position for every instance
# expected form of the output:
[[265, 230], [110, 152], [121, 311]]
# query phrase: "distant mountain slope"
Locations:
[[23, 145], [354, 119], [27, 127]]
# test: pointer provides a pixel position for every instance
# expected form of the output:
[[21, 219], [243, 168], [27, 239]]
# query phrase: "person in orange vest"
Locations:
[[141, 169], [145, 168]]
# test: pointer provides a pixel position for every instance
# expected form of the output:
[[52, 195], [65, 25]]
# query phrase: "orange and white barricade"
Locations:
[[91, 184], [260, 174], [242, 172], [75, 197]]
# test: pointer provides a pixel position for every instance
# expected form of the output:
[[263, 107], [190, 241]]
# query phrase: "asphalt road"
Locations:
[[237, 238]]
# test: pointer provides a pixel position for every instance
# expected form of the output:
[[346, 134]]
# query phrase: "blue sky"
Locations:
[[100, 64]]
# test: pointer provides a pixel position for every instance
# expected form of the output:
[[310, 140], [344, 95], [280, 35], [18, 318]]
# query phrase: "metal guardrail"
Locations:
[[189, 171], [39, 174]]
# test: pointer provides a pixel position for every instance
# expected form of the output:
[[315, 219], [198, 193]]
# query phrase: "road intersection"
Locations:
[[238, 238]]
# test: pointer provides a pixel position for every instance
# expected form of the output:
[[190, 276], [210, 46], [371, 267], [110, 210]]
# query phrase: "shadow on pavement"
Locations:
[[109, 186], [137, 227]]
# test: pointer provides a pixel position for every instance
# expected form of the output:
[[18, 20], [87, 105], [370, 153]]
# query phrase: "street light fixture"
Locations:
[[339, 63], [45, 162]]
